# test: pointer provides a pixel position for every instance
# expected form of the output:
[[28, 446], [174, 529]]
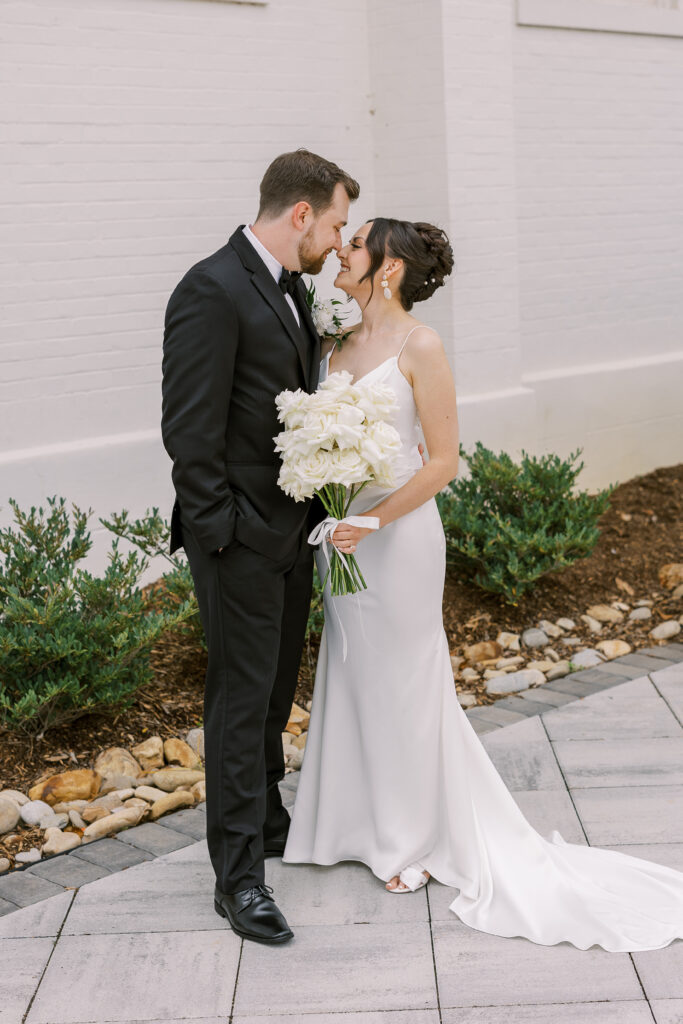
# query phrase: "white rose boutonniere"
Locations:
[[325, 315]]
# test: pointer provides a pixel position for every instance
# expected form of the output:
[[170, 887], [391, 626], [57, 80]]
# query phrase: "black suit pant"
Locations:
[[254, 612]]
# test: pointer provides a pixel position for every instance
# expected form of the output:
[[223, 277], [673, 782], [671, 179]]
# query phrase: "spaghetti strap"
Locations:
[[408, 335]]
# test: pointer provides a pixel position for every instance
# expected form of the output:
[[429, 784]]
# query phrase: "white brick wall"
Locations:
[[135, 133]]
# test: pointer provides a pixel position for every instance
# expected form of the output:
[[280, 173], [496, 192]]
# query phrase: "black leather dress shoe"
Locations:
[[253, 914]]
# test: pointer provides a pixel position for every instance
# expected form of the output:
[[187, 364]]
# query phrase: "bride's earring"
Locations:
[[385, 284]]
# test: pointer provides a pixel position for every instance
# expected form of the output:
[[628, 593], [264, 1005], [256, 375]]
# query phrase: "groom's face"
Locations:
[[324, 233]]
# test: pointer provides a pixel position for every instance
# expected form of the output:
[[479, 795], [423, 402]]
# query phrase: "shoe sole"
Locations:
[[277, 940]]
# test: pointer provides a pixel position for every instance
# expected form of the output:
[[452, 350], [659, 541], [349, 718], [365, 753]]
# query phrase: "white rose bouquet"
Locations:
[[336, 441]]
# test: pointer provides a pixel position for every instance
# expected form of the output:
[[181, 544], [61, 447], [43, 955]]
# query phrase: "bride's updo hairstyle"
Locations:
[[425, 250]]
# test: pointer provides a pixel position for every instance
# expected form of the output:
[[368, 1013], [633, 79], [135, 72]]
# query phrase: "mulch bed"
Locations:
[[641, 531]]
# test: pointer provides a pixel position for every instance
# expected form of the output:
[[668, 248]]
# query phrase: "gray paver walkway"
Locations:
[[144, 944]]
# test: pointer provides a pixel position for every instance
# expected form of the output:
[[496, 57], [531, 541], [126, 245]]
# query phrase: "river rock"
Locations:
[[57, 841], [112, 823], [534, 638], [170, 802], [614, 648], [551, 654], [541, 666], [31, 856], [195, 739], [483, 651], [466, 700], [90, 814], [294, 758], [513, 662], [604, 613], [677, 595], [592, 623], [14, 795], [572, 641], [561, 668], [150, 753], [5, 865], [117, 761], [177, 751], [79, 784], [588, 658], [515, 682], [136, 801], [509, 641], [300, 716], [550, 629], [149, 793], [665, 630], [198, 791], [567, 624], [470, 674], [34, 810], [640, 614], [300, 741], [114, 783], [293, 728], [76, 819], [70, 805], [170, 778], [671, 575], [9, 815]]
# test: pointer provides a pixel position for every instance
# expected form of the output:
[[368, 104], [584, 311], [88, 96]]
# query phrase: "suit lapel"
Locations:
[[267, 287], [307, 322]]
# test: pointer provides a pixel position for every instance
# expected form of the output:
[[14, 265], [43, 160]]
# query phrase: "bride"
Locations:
[[394, 775]]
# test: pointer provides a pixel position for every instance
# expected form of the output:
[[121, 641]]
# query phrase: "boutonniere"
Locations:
[[325, 316]]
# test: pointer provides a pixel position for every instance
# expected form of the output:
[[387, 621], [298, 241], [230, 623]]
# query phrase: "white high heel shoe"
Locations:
[[412, 877]]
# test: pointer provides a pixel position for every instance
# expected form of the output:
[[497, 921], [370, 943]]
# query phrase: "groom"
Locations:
[[237, 332]]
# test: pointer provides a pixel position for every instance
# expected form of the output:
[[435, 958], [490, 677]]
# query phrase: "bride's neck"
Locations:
[[382, 316]]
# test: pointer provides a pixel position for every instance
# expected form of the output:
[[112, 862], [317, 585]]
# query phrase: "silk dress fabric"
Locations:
[[394, 773]]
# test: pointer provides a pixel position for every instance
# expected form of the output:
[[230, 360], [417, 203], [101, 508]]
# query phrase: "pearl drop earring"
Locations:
[[385, 284]]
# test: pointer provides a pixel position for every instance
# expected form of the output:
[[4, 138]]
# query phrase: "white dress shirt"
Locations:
[[273, 266]]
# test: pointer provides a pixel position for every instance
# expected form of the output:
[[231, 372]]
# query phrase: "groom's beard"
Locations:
[[311, 262]]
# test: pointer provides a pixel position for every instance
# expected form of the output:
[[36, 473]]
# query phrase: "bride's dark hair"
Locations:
[[425, 250]]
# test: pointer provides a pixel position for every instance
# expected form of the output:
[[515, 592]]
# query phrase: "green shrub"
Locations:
[[508, 524], [70, 642]]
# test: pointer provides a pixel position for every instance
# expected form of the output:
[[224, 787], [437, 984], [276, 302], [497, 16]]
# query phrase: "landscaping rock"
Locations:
[[466, 700], [567, 624], [513, 662], [90, 814], [76, 819], [80, 784], [509, 641], [614, 648], [195, 739], [294, 758], [551, 654], [541, 666], [9, 815], [593, 624], [113, 783], [170, 778], [57, 841], [14, 795], [300, 716], [573, 641], [604, 613], [671, 575], [149, 793], [117, 761], [5, 865], [550, 629], [113, 823], [150, 753], [70, 805], [515, 682], [483, 651], [300, 741], [587, 659], [170, 802], [558, 670], [177, 751], [677, 595], [33, 811], [640, 614], [665, 630], [534, 638], [31, 856], [198, 791], [470, 674]]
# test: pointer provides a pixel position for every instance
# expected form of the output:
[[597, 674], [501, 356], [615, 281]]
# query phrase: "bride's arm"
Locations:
[[425, 363]]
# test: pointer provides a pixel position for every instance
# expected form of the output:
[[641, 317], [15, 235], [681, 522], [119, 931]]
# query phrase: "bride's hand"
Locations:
[[346, 537]]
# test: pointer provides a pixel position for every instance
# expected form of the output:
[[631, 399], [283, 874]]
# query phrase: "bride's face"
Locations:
[[355, 261]]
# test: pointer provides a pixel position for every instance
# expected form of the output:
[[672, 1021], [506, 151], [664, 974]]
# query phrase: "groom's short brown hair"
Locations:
[[302, 176]]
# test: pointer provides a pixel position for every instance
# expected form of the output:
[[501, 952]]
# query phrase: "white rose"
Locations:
[[376, 401], [323, 317]]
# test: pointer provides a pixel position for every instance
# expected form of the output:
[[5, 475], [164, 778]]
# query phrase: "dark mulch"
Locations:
[[641, 531]]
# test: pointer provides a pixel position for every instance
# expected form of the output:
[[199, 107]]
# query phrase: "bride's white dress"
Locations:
[[394, 773]]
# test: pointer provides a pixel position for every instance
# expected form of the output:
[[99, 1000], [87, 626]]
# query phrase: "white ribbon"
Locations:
[[322, 534]]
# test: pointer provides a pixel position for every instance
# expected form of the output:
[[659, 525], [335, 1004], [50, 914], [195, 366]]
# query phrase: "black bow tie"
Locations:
[[288, 280]]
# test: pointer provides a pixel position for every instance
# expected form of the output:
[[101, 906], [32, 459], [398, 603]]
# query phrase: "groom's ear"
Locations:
[[302, 215]]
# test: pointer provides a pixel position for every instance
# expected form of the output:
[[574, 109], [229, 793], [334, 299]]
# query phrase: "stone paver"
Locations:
[[602, 768]]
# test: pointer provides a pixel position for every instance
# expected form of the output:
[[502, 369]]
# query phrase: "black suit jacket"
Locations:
[[231, 344]]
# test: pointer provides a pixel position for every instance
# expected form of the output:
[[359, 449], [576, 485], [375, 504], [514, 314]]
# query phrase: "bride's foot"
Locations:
[[410, 880]]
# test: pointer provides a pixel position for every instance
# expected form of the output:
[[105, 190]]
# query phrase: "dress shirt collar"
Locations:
[[274, 266]]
